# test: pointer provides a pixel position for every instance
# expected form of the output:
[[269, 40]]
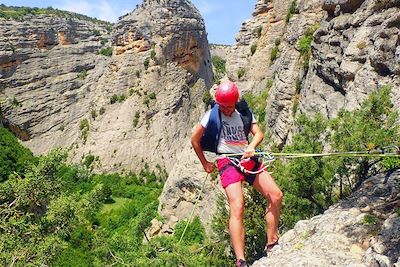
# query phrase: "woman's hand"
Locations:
[[209, 167], [249, 152]]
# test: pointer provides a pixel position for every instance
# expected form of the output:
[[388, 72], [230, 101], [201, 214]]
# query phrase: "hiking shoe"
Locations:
[[271, 247], [241, 263]]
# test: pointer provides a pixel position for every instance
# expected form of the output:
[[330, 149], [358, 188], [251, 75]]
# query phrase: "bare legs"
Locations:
[[265, 184], [234, 193]]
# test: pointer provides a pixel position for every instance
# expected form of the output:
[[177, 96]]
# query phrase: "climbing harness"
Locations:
[[265, 158]]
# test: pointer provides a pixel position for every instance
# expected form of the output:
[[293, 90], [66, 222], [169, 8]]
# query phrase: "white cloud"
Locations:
[[103, 10]]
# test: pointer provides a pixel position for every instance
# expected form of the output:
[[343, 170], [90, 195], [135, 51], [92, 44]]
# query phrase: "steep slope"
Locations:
[[319, 56], [363, 230], [128, 109]]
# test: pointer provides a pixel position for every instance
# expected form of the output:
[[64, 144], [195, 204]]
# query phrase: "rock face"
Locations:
[[355, 50], [132, 108], [363, 230], [354, 54]]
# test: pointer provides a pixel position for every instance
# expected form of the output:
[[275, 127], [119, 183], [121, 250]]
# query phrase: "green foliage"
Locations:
[[253, 48], [305, 44], [274, 53], [258, 104], [277, 41], [113, 99], [17, 13], [88, 160], [13, 156], [96, 32], [195, 232], [82, 74], [106, 52], [117, 98], [136, 119], [84, 127], [259, 31], [207, 98], [372, 126], [152, 95], [146, 63], [94, 114], [241, 72], [292, 10], [15, 102], [219, 65], [102, 110], [152, 54]]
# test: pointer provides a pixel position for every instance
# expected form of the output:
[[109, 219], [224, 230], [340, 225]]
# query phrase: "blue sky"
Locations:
[[222, 17]]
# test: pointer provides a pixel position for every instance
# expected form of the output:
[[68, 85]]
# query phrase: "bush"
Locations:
[[106, 52], [146, 63], [13, 156], [253, 48], [241, 72], [207, 98], [274, 53], [82, 74], [292, 10], [84, 127]]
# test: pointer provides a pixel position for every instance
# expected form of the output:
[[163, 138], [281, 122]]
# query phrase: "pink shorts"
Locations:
[[230, 174]]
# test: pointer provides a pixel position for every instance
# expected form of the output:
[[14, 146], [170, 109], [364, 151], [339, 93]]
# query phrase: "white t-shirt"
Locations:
[[232, 138]]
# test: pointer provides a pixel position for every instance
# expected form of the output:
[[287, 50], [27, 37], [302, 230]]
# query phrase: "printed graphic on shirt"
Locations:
[[233, 138], [233, 135]]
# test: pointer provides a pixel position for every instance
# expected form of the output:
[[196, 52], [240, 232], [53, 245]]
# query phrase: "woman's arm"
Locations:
[[195, 140]]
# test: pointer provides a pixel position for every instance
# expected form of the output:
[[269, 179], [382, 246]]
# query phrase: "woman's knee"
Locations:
[[237, 209], [276, 196]]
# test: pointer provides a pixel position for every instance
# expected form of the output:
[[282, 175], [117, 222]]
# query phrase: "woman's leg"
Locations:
[[265, 184], [234, 193]]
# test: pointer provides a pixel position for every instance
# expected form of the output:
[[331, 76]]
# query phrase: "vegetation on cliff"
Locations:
[[16, 13]]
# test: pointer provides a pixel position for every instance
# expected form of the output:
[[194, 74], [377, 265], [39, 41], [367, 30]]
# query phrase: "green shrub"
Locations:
[[305, 44], [152, 54], [207, 98], [195, 232], [146, 63], [88, 160], [102, 110], [274, 53], [136, 119], [84, 127], [258, 104], [292, 10], [15, 102], [94, 114], [106, 52], [13, 156], [259, 31], [114, 98], [82, 74], [152, 95], [253, 48], [241, 72], [96, 32]]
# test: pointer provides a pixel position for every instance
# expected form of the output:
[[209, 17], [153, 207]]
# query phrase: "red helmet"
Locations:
[[227, 94]]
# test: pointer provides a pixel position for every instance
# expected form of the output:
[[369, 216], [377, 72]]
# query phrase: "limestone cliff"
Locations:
[[355, 50], [363, 230], [133, 107]]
